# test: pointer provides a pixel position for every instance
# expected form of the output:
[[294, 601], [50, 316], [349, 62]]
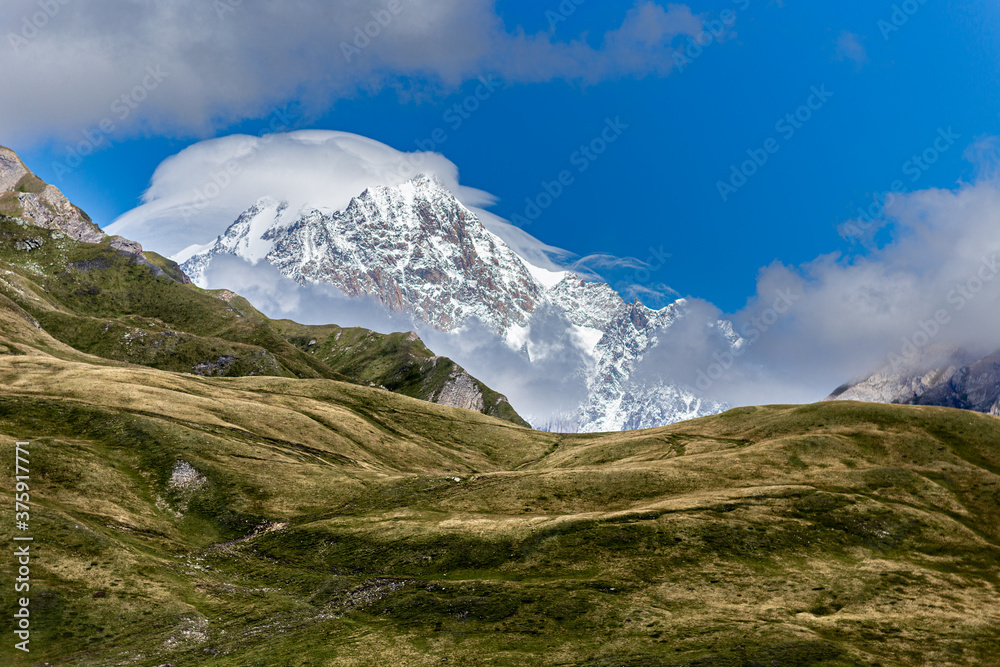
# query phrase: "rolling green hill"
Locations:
[[281, 521]]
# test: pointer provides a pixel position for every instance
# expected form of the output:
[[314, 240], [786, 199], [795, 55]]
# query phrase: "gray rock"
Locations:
[[12, 170], [214, 368], [28, 245], [461, 391]]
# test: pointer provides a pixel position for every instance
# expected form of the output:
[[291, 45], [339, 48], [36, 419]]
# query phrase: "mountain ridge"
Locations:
[[940, 376]]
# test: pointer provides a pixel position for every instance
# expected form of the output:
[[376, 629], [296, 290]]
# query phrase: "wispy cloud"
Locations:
[[849, 47]]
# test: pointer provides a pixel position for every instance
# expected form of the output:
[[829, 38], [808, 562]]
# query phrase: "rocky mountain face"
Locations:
[[947, 378], [412, 247], [417, 250]]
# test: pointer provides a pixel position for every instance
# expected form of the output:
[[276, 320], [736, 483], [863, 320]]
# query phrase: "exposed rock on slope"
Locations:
[[27, 197], [24, 195], [460, 392]]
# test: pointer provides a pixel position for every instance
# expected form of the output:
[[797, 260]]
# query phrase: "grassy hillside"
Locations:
[[125, 308], [279, 521]]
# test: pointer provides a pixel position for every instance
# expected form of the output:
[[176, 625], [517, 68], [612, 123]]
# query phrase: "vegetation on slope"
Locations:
[[276, 521], [399, 362]]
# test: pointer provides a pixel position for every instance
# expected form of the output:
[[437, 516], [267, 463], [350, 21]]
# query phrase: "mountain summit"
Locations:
[[413, 247], [24, 195], [418, 250]]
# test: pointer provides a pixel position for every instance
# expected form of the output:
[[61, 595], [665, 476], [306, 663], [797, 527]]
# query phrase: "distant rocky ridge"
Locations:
[[418, 250], [949, 378]]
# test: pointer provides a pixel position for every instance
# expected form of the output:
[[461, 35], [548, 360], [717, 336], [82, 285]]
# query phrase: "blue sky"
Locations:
[[656, 185]]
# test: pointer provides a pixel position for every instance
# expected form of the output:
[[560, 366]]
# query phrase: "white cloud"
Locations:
[[226, 60], [852, 313], [281, 298]]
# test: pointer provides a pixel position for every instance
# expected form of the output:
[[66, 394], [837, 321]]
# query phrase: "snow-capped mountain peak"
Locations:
[[414, 247], [417, 249]]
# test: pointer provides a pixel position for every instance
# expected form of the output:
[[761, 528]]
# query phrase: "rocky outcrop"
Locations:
[[12, 170], [461, 391], [126, 247], [26, 196], [185, 477]]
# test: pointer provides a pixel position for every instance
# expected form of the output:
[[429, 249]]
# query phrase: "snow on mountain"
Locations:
[[617, 399], [419, 251], [244, 238], [414, 247]]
